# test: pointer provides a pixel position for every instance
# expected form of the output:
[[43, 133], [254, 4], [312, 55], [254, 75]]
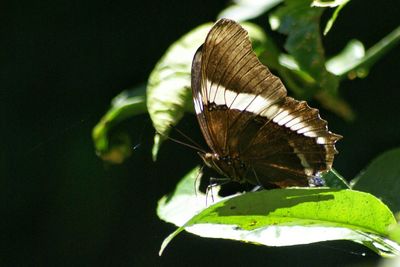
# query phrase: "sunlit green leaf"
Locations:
[[127, 104], [241, 10], [394, 232], [187, 199], [382, 178], [285, 217]]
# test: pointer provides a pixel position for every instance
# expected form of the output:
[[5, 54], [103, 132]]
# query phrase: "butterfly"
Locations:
[[255, 132]]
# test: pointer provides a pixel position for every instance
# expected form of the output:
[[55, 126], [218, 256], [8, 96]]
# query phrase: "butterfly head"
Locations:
[[209, 159]]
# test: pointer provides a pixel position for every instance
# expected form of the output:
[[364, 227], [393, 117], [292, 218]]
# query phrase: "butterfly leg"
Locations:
[[259, 185], [215, 182], [257, 188]]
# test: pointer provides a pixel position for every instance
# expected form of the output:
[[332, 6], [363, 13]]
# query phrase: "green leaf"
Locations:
[[300, 23], [168, 92], [279, 217], [128, 103], [186, 201], [382, 178], [285, 217], [394, 232], [242, 10], [340, 4], [334, 180], [349, 57], [333, 102]]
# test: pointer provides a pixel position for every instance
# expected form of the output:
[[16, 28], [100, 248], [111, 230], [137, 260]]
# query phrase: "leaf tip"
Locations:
[[168, 240], [156, 147]]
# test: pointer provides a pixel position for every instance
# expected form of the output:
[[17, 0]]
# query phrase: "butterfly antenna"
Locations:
[[182, 143], [258, 180], [187, 137]]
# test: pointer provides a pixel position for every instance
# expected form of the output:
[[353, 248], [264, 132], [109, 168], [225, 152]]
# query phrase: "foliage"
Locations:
[[128, 103], [385, 167], [276, 217], [284, 217], [293, 216]]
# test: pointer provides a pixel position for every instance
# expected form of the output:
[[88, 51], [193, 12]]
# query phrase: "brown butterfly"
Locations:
[[255, 132]]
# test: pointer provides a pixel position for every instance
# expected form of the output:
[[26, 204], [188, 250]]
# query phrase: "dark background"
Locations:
[[62, 62]]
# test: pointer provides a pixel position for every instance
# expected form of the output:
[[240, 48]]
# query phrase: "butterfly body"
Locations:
[[227, 165], [255, 132]]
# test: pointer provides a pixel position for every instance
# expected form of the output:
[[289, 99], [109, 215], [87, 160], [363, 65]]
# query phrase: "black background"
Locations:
[[62, 62]]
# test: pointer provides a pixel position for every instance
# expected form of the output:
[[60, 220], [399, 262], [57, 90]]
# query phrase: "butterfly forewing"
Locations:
[[255, 132]]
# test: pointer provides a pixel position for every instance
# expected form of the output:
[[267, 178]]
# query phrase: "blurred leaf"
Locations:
[[127, 104], [260, 42], [242, 10], [270, 55], [334, 180], [336, 104], [304, 70], [347, 58], [301, 24], [394, 262], [361, 67], [289, 62], [382, 178], [335, 14], [168, 92], [287, 69], [284, 217]]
